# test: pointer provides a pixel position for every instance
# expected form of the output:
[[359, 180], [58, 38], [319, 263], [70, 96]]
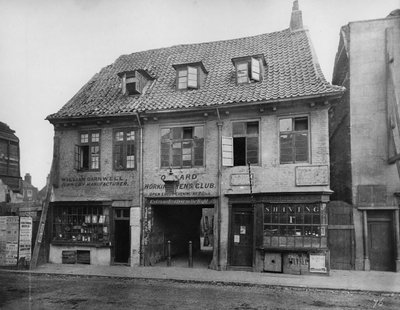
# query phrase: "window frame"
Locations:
[[186, 77], [293, 219], [80, 224], [171, 141], [293, 131], [124, 144], [251, 73], [78, 156], [246, 136]]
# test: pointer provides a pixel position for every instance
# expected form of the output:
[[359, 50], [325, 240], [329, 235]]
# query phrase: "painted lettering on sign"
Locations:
[[189, 185], [98, 181]]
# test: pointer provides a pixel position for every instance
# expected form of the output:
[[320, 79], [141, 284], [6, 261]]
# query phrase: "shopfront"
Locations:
[[279, 233]]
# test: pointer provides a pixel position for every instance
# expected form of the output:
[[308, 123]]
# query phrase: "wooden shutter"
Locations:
[[77, 163], [227, 151], [192, 77], [255, 69]]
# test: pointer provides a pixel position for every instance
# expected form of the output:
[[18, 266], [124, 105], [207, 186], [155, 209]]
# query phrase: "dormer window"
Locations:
[[190, 76], [132, 85], [249, 69], [134, 82]]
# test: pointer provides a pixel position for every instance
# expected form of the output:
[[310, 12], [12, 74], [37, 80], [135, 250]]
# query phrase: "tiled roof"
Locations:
[[292, 71]]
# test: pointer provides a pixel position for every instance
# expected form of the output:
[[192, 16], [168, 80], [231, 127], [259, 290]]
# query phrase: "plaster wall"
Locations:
[[98, 256], [105, 184], [368, 78]]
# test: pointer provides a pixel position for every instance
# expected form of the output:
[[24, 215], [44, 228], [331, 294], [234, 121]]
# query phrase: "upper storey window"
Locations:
[[134, 82], [294, 140], [87, 152], [249, 69], [190, 76]]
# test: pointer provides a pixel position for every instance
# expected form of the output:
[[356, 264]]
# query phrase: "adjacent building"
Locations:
[[222, 143], [364, 147]]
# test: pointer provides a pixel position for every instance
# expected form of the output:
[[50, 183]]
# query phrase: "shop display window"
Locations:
[[81, 224], [296, 222]]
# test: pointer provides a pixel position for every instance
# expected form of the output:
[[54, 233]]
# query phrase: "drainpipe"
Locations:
[[141, 202], [219, 124]]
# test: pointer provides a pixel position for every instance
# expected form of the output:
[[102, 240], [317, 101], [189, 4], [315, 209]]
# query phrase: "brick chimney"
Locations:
[[28, 178], [296, 21]]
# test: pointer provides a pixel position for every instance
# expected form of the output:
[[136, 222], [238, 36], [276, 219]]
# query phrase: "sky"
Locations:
[[50, 49]]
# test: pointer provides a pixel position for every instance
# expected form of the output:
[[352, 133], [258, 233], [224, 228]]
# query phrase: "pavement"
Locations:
[[349, 280]]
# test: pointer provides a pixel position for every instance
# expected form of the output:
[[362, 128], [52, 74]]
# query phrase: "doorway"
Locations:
[[121, 235], [241, 236], [181, 224], [381, 240]]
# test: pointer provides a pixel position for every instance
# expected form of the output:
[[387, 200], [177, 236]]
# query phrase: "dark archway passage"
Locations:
[[180, 224]]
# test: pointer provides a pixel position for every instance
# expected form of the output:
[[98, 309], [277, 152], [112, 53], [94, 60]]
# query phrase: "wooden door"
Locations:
[[381, 242], [341, 235], [241, 237], [121, 236]]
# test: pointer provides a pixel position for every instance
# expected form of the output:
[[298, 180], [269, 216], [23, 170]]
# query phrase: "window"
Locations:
[[124, 149], [132, 85], [182, 147], [248, 70], [87, 153], [188, 77], [293, 138], [9, 158], [245, 143], [134, 82], [293, 220], [80, 224]]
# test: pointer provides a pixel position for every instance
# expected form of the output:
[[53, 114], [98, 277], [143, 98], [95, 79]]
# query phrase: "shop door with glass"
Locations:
[[241, 237]]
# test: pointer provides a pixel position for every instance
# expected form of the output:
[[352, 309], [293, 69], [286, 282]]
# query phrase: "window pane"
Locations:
[[301, 145], [130, 161], [176, 154], [187, 132], [242, 72], [182, 73], [95, 137], [177, 133], [118, 158], [130, 136], [192, 77], [252, 128], [285, 124], [301, 124], [165, 133], [252, 150], [182, 83], [198, 132], [198, 152], [238, 128], [119, 136], [84, 138], [165, 149]]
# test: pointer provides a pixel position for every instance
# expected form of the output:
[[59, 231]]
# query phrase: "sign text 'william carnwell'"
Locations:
[[103, 181]]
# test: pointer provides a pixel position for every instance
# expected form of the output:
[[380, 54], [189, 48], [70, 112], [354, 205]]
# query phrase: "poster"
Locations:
[[25, 238], [317, 263]]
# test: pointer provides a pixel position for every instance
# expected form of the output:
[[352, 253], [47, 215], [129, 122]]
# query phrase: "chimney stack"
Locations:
[[296, 21], [28, 178]]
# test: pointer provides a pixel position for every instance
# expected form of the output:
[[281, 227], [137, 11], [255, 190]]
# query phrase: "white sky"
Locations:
[[50, 49]]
